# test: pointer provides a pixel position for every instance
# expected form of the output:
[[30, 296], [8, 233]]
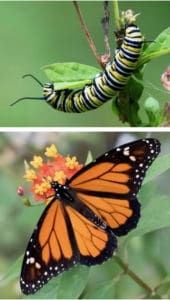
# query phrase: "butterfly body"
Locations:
[[81, 222]]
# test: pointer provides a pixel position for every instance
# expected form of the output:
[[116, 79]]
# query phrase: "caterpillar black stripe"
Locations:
[[105, 85]]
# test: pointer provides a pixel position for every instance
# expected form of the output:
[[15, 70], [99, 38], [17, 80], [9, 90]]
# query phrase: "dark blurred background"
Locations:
[[17, 221], [34, 34]]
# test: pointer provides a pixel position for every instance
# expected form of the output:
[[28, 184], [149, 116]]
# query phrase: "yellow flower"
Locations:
[[37, 161], [42, 188], [30, 175], [51, 151], [39, 189], [60, 177], [71, 163], [46, 183], [47, 179]]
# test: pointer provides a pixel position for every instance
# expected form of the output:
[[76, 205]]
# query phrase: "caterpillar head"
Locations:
[[48, 91]]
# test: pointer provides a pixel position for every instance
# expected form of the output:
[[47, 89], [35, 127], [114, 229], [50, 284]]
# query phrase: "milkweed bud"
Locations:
[[26, 201], [20, 191], [152, 109]]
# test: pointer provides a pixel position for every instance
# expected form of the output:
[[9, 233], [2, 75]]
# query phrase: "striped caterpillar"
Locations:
[[105, 85]]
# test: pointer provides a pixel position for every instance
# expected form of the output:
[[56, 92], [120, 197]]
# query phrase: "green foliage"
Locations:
[[13, 272], [70, 75], [152, 108], [102, 290], [89, 158], [160, 46], [126, 104], [154, 217], [160, 165]]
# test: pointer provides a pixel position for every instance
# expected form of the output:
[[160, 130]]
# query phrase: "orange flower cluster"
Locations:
[[56, 168]]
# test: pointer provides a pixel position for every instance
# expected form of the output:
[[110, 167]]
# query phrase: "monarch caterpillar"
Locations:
[[105, 85], [81, 222]]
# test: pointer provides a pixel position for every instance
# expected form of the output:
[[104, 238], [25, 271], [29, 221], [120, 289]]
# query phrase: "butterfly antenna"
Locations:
[[29, 98]]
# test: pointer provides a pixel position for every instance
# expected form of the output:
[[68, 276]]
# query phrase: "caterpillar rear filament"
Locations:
[[105, 85]]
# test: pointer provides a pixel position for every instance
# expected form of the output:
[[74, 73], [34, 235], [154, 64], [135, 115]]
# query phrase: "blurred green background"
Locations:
[[34, 34], [148, 255]]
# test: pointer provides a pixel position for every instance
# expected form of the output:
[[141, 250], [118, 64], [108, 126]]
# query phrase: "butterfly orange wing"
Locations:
[[109, 185], [62, 238]]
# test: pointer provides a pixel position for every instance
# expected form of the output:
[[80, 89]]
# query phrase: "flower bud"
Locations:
[[26, 201], [165, 79], [152, 109], [20, 191]]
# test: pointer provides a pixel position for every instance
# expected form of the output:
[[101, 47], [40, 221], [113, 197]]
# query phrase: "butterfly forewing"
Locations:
[[51, 249], [109, 185]]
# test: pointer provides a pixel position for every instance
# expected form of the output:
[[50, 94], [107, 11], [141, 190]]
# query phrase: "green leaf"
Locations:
[[126, 104], [102, 290], [70, 75], [159, 47], [164, 288], [135, 88], [163, 248], [68, 285], [156, 212], [115, 106], [73, 282], [13, 272], [89, 158], [160, 165], [154, 216], [48, 291]]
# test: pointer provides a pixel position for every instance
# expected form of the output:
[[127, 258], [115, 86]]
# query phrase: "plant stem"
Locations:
[[105, 25], [116, 13], [137, 279], [87, 34], [145, 58]]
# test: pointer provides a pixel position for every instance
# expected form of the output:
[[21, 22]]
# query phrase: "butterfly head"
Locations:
[[58, 187]]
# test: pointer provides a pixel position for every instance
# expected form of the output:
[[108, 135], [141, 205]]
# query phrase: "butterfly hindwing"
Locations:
[[94, 240]]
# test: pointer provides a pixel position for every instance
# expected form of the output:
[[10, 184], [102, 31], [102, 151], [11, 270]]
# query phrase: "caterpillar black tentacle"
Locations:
[[105, 85]]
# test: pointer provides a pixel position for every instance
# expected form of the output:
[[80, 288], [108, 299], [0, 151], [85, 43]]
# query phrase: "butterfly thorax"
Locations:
[[63, 192]]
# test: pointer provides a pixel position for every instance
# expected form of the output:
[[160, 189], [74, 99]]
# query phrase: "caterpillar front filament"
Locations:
[[105, 85]]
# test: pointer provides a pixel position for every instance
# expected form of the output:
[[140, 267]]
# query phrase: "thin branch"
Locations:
[[105, 25], [138, 280], [116, 13], [87, 34]]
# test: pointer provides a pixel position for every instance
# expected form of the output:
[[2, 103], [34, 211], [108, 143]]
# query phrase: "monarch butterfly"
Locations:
[[105, 85], [81, 222]]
